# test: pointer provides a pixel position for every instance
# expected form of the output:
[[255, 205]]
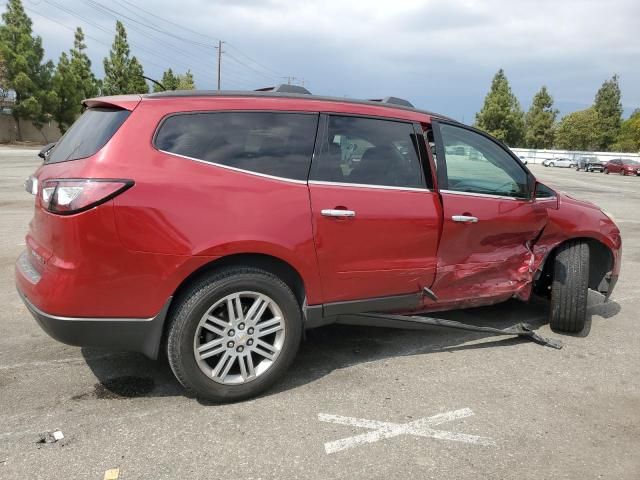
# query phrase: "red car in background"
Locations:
[[623, 166], [217, 226]]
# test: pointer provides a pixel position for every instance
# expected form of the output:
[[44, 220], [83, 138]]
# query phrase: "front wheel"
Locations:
[[569, 287], [552, 164], [233, 334]]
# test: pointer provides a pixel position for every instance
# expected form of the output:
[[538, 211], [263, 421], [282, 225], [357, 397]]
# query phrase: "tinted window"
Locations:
[[370, 152], [478, 165], [88, 134], [279, 144]]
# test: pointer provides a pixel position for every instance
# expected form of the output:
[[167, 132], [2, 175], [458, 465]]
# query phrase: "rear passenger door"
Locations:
[[375, 218]]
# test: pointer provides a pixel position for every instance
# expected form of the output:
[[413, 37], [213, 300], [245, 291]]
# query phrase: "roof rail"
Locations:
[[394, 101], [285, 88]]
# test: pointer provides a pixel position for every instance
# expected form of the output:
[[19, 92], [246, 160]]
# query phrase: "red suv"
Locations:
[[623, 166], [218, 226]]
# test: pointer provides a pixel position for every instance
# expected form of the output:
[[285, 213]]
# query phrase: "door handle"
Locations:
[[464, 219], [331, 212]]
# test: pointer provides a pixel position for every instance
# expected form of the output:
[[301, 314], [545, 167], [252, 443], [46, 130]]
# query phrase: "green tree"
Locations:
[[169, 81], [68, 88], [122, 74], [608, 105], [137, 83], [539, 121], [185, 82], [501, 115], [580, 131], [81, 66], [26, 74], [629, 137]]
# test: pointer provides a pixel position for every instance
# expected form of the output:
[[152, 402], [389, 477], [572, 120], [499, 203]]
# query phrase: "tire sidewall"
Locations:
[[188, 318]]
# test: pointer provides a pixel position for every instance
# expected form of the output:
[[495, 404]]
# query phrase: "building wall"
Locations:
[[537, 156], [49, 133]]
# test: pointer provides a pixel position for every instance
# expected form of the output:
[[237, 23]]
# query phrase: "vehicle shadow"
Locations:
[[334, 347]]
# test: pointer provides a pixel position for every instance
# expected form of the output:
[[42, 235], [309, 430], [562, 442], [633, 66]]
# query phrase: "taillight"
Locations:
[[65, 197]]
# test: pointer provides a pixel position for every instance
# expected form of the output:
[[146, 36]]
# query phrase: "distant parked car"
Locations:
[[589, 164], [559, 162], [623, 166], [522, 159]]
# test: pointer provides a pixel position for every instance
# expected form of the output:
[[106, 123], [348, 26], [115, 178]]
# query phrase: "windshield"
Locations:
[[88, 134]]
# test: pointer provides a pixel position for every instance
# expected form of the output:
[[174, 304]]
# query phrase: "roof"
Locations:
[[272, 94]]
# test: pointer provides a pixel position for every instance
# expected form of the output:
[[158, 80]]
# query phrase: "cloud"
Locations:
[[441, 55]]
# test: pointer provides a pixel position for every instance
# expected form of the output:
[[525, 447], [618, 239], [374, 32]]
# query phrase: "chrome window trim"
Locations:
[[362, 185], [235, 169], [485, 195]]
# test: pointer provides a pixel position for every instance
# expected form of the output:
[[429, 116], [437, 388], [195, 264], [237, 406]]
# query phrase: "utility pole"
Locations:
[[290, 79], [220, 52]]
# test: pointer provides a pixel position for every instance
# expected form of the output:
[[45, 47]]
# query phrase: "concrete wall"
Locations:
[[537, 156], [49, 132]]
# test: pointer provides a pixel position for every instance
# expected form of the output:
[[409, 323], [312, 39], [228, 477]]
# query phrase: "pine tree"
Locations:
[[68, 88], [580, 131], [137, 83], [540, 120], [501, 115], [26, 75], [185, 82], [122, 74], [169, 81], [81, 66], [608, 105]]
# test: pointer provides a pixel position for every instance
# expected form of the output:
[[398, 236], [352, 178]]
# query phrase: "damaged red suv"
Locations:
[[217, 226]]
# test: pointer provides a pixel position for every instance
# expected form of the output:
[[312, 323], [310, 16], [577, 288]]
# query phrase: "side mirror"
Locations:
[[542, 191], [45, 150]]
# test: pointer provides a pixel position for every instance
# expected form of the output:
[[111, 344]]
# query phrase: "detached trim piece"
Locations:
[[319, 315], [130, 334]]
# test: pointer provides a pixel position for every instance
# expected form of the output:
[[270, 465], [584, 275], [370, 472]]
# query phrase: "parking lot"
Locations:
[[357, 403]]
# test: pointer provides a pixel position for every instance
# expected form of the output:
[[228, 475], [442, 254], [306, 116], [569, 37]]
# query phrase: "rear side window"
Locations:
[[88, 134], [271, 143], [368, 151]]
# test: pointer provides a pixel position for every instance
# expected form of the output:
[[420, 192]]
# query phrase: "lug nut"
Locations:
[[240, 348], [250, 342], [230, 344], [250, 331], [241, 326], [232, 333]]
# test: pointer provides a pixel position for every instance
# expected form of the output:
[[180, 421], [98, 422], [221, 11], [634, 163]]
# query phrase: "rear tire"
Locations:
[[569, 287], [207, 333]]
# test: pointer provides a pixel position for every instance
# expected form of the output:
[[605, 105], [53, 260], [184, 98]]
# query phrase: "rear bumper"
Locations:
[[131, 334]]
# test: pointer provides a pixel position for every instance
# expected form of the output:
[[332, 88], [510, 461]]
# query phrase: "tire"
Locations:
[[569, 287], [606, 171], [622, 172], [551, 164], [191, 327]]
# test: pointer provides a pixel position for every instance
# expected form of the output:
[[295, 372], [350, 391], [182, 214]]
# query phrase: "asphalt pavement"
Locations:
[[358, 402]]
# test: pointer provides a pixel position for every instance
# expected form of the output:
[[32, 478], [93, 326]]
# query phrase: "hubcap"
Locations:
[[239, 337]]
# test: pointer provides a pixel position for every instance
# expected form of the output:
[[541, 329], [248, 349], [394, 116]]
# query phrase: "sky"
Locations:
[[440, 55]]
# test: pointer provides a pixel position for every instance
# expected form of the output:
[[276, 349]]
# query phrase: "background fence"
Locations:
[[537, 156]]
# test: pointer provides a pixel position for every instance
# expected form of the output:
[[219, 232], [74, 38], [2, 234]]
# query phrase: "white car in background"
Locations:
[[559, 162]]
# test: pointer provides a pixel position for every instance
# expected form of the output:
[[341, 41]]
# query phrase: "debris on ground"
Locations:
[[112, 474], [51, 437]]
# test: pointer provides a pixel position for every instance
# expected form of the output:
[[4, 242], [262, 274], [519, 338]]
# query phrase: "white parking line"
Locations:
[[383, 430]]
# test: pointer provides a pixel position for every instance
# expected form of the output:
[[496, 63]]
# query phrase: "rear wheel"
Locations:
[[234, 334], [569, 287]]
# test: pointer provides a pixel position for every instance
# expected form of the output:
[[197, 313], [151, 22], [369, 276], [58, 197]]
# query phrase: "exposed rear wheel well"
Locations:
[[274, 265], [600, 263]]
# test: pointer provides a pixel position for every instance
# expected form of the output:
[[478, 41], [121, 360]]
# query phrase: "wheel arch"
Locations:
[[601, 262]]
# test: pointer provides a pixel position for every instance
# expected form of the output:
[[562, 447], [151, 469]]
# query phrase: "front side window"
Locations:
[[271, 143], [476, 164], [368, 151]]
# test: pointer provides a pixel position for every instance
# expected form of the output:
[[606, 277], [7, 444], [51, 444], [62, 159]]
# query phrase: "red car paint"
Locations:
[[622, 166], [127, 256]]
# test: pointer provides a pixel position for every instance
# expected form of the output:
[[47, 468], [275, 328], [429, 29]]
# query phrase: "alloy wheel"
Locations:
[[239, 337]]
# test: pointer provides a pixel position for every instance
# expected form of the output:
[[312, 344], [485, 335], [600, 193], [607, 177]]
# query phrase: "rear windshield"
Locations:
[[88, 134]]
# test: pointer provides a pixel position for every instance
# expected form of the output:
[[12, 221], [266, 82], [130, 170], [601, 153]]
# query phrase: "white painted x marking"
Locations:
[[382, 430]]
